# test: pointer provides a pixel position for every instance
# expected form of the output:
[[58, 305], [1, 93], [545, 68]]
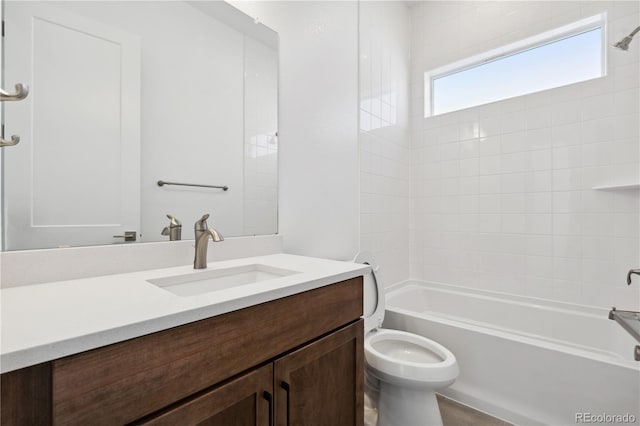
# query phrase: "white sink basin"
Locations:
[[218, 279]]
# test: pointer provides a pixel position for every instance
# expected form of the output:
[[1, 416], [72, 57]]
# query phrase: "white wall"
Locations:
[[502, 193], [318, 130], [385, 137]]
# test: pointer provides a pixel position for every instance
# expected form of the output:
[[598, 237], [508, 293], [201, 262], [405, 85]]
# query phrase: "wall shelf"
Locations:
[[619, 186]]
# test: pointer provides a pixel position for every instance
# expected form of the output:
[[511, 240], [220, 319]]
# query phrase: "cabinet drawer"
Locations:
[[126, 381]]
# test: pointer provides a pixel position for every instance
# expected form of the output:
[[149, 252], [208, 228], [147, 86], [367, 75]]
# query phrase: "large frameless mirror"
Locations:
[[137, 110]]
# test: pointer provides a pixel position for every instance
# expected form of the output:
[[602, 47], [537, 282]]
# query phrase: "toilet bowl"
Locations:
[[404, 369]]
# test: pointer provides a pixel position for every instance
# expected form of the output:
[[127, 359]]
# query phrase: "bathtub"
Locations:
[[528, 361]]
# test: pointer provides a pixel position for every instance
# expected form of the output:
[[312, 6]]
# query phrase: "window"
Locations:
[[556, 58]]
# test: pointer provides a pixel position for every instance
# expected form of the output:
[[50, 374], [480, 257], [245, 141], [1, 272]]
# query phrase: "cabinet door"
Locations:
[[322, 383], [25, 396], [75, 177], [245, 401]]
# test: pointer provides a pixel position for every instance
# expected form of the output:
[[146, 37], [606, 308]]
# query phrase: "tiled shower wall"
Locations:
[[260, 138], [384, 138], [502, 194]]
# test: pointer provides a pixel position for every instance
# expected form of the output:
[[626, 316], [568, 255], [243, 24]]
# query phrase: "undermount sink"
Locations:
[[219, 279]]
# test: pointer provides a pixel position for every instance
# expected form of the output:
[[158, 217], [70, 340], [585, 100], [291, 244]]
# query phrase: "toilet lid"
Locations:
[[373, 293]]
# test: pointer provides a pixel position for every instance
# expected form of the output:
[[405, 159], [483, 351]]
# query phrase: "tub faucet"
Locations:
[[203, 232], [632, 272]]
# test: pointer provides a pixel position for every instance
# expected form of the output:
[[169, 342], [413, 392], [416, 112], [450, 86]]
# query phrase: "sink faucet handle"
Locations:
[[174, 220], [632, 272], [201, 224], [174, 230]]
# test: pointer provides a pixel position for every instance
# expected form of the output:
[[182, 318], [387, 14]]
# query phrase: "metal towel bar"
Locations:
[[14, 141], [22, 90], [162, 183]]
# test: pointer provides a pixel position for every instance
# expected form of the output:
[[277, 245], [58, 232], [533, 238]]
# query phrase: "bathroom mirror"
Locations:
[[124, 94]]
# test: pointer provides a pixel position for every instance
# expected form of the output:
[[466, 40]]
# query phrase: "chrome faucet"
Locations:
[[203, 232], [174, 230]]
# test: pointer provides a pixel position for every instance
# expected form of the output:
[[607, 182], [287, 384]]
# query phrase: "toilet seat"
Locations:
[[399, 355], [373, 293], [403, 370]]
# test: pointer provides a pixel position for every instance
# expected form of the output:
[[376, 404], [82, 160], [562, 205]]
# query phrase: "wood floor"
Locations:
[[456, 414]]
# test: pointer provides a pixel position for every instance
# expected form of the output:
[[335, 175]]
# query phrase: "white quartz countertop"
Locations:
[[44, 322]]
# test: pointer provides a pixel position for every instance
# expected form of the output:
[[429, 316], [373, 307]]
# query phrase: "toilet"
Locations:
[[404, 369]]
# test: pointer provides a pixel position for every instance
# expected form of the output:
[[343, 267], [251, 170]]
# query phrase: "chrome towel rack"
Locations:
[[14, 141], [22, 90], [162, 183]]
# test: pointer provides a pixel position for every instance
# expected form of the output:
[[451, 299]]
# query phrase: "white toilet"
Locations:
[[407, 368]]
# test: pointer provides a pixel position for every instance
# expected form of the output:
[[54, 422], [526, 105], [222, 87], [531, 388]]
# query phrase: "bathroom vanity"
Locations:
[[294, 358]]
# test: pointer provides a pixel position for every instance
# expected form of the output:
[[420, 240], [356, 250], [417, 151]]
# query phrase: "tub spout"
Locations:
[[632, 272]]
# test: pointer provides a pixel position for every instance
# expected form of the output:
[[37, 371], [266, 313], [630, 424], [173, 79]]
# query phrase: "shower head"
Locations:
[[624, 43]]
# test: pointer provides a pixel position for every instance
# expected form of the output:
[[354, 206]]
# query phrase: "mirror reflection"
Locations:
[[126, 94]]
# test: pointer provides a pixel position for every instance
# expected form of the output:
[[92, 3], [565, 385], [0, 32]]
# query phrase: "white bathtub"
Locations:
[[525, 360]]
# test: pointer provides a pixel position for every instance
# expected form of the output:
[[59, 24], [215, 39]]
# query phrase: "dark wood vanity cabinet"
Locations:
[[244, 401], [318, 384], [321, 383], [298, 360]]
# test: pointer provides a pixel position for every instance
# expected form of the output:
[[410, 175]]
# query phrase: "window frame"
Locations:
[[520, 46]]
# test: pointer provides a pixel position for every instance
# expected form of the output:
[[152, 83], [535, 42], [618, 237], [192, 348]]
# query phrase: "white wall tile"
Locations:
[[567, 179], [566, 135], [513, 182], [393, 151], [538, 181], [489, 146], [566, 112], [539, 202], [489, 165], [567, 246], [524, 168]]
